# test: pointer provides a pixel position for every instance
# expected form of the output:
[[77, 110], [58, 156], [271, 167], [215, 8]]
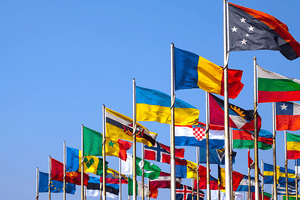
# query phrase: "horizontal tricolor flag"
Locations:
[[93, 188], [273, 87], [293, 146], [153, 105], [193, 71], [287, 116]]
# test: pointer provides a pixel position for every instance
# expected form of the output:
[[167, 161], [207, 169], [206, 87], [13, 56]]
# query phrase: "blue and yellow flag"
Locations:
[[153, 105], [280, 172]]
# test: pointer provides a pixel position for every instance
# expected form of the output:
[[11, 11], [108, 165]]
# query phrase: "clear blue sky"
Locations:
[[62, 60]]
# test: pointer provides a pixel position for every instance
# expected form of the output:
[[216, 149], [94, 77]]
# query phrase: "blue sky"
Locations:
[[62, 60]]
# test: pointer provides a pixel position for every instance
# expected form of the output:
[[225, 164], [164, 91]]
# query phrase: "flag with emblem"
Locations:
[[238, 117], [55, 186], [194, 135], [187, 193], [112, 177], [161, 153], [216, 156], [254, 30], [119, 126], [150, 170], [287, 116]]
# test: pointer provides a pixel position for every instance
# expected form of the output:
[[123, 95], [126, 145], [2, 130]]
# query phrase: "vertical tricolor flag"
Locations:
[[287, 116]]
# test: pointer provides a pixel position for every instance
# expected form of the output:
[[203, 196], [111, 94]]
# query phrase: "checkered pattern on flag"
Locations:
[[199, 132]]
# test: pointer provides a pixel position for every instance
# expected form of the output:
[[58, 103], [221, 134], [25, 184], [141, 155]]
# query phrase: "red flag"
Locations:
[[236, 179], [203, 183], [71, 177], [124, 146]]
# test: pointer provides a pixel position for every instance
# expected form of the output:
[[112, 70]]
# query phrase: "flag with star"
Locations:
[[117, 148], [287, 116], [254, 30]]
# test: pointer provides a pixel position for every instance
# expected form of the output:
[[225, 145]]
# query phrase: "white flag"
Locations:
[[126, 168]]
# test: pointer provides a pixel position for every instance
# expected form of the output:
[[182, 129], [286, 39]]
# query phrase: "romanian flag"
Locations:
[[287, 116], [236, 179], [153, 105], [188, 169], [254, 30], [280, 172], [193, 71], [293, 146], [119, 126]]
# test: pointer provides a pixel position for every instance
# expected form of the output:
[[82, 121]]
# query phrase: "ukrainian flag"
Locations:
[[153, 105]]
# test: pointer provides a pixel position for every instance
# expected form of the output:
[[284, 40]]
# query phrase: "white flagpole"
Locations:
[[262, 182], [197, 159], [49, 184], [296, 178], [143, 195], [274, 152], [192, 180], [64, 178], [120, 184], [104, 153], [286, 167], [149, 188], [172, 127], [37, 184], [82, 164], [208, 194], [134, 143]]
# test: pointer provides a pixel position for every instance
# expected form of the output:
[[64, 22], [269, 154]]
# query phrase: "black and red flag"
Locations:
[[254, 30]]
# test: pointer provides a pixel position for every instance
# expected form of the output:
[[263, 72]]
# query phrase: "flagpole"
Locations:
[[149, 188], [128, 194], [104, 152], [143, 196], [219, 183], [286, 167], [274, 152], [249, 180], [226, 104], [84, 192], [172, 127], [64, 177], [192, 180], [197, 159], [134, 143], [49, 184], [262, 184], [37, 184], [296, 178], [82, 164], [101, 189], [231, 166], [120, 185], [256, 162], [207, 152]]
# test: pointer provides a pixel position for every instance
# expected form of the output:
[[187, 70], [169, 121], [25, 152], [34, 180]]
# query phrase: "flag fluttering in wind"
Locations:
[[203, 183], [273, 87], [254, 30], [139, 187], [216, 156], [236, 179], [244, 184], [280, 172], [153, 105], [188, 169], [193, 71], [112, 177], [293, 146], [150, 170], [187, 193], [93, 188], [287, 116]]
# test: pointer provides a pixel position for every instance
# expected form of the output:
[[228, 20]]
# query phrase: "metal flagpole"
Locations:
[[104, 152], [207, 150], [82, 164], [231, 166], [149, 187], [274, 152], [101, 186], [49, 184], [197, 159], [120, 185], [172, 127], [262, 182], [226, 103], [192, 180], [219, 183], [84, 192], [128, 194], [64, 177], [143, 195], [296, 179], [256, 162], [249, 182], [37, 184], [286, 167], [134, 143]]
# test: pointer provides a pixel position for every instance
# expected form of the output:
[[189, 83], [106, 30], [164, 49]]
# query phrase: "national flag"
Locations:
[[236, 179], [195, 136], [126, 166], [92, 164], [251, 164], [93, 188], [238, 117], [161, 153], [112, 177], [287, 116], [71, 177], [281, 189], [254, 30], [273, 87], [244, 184], [153, 105], [150, 170], [55, 186], [297, 166], [216, 156], [267, 196], [193, 71], [203, 183], [119, 126], [215, 195], [163, 181], [290, 197], [187, 193], [280, 172], [138, 188], [245, 140], [188, 169], [293, 146], [92, 145]]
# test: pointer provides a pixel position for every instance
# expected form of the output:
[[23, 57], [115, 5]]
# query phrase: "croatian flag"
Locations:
[[195, 136], [287, 116]]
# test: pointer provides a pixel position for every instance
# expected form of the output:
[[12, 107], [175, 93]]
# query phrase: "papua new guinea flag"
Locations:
[[254, 30]]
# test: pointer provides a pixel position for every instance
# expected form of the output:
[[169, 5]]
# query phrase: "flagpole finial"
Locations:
[[254, 58]]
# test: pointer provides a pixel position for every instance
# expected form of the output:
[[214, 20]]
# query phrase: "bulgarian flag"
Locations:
[[273, 87], [293, 146]]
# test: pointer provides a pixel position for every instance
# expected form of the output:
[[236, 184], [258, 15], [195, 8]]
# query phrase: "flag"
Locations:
[[92, 145], [92, 164], [188, 169], [244, 184], [71, 177], [254, 30], [153, 105], [195, 136], [287, 116], [203, 183], [281, 189], [119, 126], [93, 188], [280, 172], [193, 71], [138, 188], [291, 197], [161, 153], [163, 181], [126, 166], [267, 196], [216, 156], [112, 177], [251, 164], [56, 186], [297, 166], [293, 146], [187, 193], [236, 179], [150, 170], [245, 140], [238, 117], [273, 87]]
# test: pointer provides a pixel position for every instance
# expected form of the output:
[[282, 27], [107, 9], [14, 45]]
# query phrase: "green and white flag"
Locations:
[[138, 188], [150, 170]]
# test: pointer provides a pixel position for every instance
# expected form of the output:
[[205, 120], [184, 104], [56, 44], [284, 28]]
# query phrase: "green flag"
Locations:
[[92, 142], [139, 187], [150, 170]]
